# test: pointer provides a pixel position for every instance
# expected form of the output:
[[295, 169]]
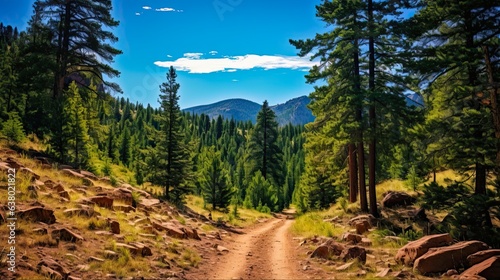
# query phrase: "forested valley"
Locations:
[[55, 92]]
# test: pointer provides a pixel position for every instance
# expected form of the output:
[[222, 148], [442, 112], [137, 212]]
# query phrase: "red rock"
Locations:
[[64, 194], [328, 249], [362, 226], [13, 163], [170, 229], [191, 233], [72, 173], [49, 273], [350, 237], [365, 242], [115, 227], [52, 265], [102, 201], [145, 202], [38, 214], [29, 172], [482, 256], [450, 257], [413, 250], [368, 217], [88, 174], [354, 252], [489, 269], [392, 199], [124, 195], [142, 249], [58, 188], [66, 235]]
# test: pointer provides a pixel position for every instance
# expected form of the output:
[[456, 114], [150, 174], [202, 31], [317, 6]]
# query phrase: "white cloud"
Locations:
[[213, 52], [146, 7], [193, 55], [169, 55], [234, 80], [192, 63], [137, 14], [167, 10]]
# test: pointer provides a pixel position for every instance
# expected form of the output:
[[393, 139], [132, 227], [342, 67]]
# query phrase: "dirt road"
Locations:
[[266, 251]]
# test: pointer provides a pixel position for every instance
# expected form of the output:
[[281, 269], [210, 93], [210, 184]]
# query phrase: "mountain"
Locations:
[[294, 111]]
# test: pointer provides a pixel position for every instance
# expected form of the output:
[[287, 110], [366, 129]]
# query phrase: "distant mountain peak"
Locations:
[[293, 111]]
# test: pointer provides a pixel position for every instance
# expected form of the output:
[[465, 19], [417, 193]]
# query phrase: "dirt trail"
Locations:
[[264, 252]]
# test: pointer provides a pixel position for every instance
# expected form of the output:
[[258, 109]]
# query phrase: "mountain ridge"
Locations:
[[293, 111]]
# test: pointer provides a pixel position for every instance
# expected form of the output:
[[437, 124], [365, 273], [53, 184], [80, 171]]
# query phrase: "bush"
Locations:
[[13, 129], [438, 197]]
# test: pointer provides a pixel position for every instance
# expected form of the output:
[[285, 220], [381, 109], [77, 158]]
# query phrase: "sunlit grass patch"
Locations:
[[312, 224]]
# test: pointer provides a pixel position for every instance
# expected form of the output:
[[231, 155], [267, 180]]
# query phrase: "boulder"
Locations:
[[29, 172], [482, 256], [38, 214], [53, 266], [354, 252], [49, 273], [72, 173], [89, 175], [413, 250], [170, 230], [368, 217], [450, 257], [64, 194], [366, 242], [66, 235], [489, 269], [123, 194], [114, 226], [13, 163], [328, 249], [191, 233], [149, 202], [58, 188], [362, 226], [351, 237], [392, 199], [142, 249], [136, 248], [102, 201]]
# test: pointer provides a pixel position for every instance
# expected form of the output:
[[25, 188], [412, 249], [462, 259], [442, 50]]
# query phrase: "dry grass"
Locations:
[[245, 217]]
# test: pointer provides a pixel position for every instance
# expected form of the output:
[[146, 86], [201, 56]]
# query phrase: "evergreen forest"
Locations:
[[55, 90]]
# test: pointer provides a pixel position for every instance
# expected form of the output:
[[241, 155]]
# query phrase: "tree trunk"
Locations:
[[353, 176], [494, 106], [372, 115]]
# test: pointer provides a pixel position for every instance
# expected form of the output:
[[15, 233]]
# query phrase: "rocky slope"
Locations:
[[72, 224]]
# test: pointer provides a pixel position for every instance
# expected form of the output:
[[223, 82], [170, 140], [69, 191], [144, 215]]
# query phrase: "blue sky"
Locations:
[[221, 48]]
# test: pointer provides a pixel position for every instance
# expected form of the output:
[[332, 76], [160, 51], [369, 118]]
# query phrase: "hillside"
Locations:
[[294, 111]]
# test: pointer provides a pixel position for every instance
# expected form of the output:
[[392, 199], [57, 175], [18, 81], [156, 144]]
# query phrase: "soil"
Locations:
[[265, 251]]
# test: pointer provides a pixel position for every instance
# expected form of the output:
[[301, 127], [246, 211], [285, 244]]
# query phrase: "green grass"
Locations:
[[312, 224]]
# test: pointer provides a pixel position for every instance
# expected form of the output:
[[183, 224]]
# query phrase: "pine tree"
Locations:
[[214, 179], [264, 154], [170, 160], [13, 128], [454, 41], [75, 128], [80, 29]]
